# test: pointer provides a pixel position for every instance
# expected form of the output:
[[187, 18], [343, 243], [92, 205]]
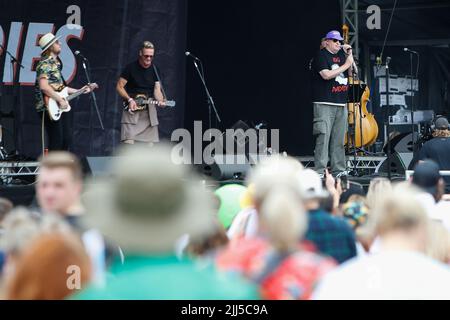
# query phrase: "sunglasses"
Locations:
[[334, 40], [148, 56]]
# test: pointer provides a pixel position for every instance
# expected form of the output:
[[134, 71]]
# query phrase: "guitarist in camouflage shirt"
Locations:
[[49, 81]]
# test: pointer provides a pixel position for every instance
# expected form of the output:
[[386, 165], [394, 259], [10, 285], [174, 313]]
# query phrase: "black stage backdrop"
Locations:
[[256, 56], [110, 38]]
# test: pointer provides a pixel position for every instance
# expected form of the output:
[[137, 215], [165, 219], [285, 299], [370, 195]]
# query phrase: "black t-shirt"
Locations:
[[332, 91], [139, 80], [438, 149]]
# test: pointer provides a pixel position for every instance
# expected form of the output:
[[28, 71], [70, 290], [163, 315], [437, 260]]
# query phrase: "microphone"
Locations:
[[411, 51], [187, 53], [78, 53]]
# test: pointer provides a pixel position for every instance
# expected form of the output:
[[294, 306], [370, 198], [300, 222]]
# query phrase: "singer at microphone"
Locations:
[[331, 68]]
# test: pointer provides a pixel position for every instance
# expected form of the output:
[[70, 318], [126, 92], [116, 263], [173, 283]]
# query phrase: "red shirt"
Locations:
[[292, 276]]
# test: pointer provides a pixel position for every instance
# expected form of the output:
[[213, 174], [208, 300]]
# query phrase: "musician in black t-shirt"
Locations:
[[139, 78], [330, 86]]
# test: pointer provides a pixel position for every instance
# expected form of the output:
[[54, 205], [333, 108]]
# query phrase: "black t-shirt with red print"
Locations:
[[333, 91]]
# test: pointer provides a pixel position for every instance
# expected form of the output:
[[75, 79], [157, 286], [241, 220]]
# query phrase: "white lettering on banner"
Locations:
[[32, 51], [15, 37]]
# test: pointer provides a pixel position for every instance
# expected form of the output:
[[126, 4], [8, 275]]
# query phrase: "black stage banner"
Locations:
[[108, 33]]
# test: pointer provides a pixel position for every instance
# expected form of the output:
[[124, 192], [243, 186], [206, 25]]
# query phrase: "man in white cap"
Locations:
[[330, 87], [49, 81]]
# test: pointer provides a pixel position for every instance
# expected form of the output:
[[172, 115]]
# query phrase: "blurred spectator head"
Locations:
[[208, 244], [400, 214], [54, 266], [355, 212], [310, 185], [149, 202], [21, 227], [313, 192], [427, 177], [377, 189], [353, 190], [59, 182], [441, 128], [438, 242], [278, 199]]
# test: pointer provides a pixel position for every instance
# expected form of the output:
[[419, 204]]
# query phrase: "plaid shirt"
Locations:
[[332, 236]]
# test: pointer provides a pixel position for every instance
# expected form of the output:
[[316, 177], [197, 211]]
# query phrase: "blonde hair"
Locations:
[[22, 226], [399, 210], [147, 45], [441, 133], [438, 246], [378, 188], [62, 159], [277, 193]]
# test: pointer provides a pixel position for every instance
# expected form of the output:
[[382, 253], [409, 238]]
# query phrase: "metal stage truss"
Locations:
[[15, 169], [371, 164]]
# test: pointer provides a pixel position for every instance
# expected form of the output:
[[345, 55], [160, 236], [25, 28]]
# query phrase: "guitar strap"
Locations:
[[60, 71]]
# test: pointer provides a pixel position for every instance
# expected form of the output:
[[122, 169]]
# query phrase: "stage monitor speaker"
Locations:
[[397, 166], [96, 166], [403, 142], [227, 167]]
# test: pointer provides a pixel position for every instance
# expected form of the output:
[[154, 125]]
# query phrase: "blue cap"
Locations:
[[334, 35]]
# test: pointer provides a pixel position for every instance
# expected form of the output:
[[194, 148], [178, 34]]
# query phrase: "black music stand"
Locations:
[[355, 92]]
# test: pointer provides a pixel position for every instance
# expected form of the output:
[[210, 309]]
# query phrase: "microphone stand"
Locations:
[[94, 99], [211, 105], [355, 94], [389, 156]]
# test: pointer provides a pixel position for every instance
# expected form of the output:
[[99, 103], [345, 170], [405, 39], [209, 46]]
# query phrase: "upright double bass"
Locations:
[[365, 127]]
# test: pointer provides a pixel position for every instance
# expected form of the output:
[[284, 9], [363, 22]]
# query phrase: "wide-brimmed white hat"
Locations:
[[47, 40], [148, 202]]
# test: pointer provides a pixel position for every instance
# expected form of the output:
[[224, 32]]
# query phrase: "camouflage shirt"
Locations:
[[49, 68]]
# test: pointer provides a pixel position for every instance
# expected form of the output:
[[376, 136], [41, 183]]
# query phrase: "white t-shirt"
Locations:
[[387, 275]]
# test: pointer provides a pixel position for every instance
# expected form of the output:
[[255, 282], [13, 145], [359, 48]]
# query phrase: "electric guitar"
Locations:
[[142, 102], [54, 111]]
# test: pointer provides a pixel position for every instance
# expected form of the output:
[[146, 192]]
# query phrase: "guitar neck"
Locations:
[[75, 95]]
